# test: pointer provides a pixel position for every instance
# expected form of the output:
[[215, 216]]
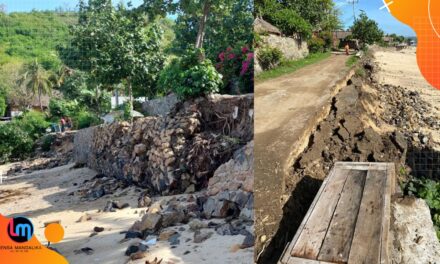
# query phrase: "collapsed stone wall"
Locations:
[[232, 187], [176, 153], [292, 48]]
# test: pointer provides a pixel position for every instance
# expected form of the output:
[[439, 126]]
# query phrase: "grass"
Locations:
[[352, 61], [291, 66]]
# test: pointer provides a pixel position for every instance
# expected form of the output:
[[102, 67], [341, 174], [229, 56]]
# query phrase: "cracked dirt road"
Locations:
[[287, 109]]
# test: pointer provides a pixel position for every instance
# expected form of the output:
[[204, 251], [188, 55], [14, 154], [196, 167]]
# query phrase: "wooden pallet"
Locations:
[[348, 222]]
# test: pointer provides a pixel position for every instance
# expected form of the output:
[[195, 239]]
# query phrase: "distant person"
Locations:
[[347, 49], [69, 123], [63, 124]]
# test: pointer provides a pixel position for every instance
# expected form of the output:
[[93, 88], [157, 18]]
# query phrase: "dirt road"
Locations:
[[287, 110]]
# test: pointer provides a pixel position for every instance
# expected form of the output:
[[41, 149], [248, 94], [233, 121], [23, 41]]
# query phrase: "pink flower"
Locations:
[[244, 68], [221, 56], [229, 49], [250, 56], [244, 49], [231, 56]]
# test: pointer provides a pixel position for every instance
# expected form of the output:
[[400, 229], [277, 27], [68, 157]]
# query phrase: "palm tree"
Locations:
[[36, 80], [58, 77]]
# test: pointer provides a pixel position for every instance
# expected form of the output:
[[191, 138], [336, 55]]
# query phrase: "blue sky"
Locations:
[[386, 21]]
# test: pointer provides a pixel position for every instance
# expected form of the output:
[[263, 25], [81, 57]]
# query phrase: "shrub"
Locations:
[[2, 106], [61, 108], [33, 123], [290, 22], [84, 119], [15, 143], [236, 67], [190, 76], [47, 142], [128, 115], [429, 190], [316, 45], [327, 37], [269, 57]]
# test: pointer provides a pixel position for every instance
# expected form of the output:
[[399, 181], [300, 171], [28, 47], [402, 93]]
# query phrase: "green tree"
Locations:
[[300, 16], [321, 14], [213, 25], [366, 30], [2, 106], [116, 45], [36, 80]]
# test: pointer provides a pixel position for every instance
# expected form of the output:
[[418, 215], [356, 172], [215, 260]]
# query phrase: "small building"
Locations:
[[15, 105], [388, 40], [343, 37], [263, 27]]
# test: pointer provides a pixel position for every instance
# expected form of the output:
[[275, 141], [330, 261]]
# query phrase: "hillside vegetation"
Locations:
[[28, 36]]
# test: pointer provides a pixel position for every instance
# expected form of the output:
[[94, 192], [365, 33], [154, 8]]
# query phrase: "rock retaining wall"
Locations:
[[171, 154], [292, 48]]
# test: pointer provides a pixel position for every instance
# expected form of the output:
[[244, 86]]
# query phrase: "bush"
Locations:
[[15, 143], [33, 123], [236, 67], [316, 45], [128, 115], [290, 22], [2, 106], [269, 57], [47, 142], [190, 76], [429, 190], [327, 37], [61, 108], [84, 119]]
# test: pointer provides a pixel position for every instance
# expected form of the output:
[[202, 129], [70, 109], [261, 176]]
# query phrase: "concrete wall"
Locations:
[[83, 141], [292, 48]]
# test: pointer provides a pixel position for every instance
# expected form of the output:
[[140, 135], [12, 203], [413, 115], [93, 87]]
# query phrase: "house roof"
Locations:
[[34, 101], [341, 34], [262, 26]]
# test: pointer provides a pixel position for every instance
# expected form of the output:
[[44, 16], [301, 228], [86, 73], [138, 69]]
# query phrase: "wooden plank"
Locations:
[[337, 242], [294, 260], [312, 236], [287, 252], [389, 191], [363, 166], [366, 244]]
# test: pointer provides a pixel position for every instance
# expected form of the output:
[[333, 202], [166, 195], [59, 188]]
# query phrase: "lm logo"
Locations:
[[20, 229]]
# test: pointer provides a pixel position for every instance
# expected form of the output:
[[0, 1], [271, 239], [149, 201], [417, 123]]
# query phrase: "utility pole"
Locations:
[[353, 2]]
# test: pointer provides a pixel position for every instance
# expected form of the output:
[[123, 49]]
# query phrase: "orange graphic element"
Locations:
[[54, 233], [424, 17], [31, 251]]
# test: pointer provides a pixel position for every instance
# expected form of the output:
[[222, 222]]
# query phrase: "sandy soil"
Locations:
[[400, 68], [43, 196]]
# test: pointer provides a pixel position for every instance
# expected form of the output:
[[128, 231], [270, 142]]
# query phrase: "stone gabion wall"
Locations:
[[176, 153]]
